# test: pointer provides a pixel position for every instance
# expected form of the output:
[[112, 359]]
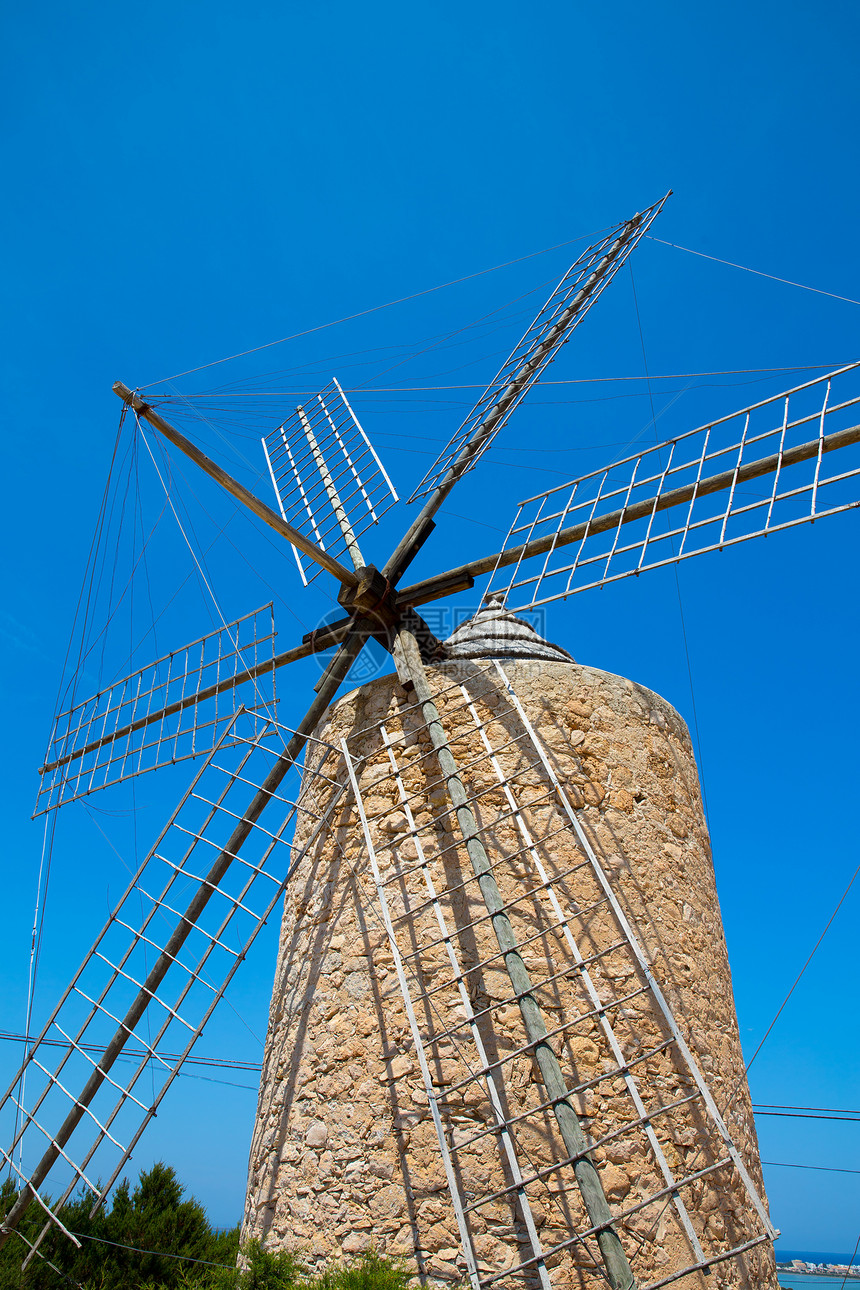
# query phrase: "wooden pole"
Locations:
[[420, 592], [333, 495], [618, 1269], [304, 650], [406, 549], [232, 486], [343, 661]]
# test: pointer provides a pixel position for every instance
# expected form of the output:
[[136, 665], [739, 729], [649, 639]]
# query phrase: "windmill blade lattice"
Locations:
[[789, 460], [156, 972], [327, 477], [170, 710], [565, 309]]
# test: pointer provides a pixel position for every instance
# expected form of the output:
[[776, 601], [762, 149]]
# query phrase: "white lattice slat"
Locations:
[[170, 710], [789, 460], [328, 478]]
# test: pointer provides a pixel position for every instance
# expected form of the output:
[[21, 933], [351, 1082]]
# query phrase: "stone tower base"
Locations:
[[344, 1154]]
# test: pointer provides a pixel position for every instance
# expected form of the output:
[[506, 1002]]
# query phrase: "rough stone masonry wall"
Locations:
[[344, 1155]]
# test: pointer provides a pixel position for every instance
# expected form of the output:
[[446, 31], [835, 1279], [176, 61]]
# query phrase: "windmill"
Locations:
[[221, 865]]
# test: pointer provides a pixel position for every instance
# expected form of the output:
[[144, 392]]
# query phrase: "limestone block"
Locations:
[[316, 1135]]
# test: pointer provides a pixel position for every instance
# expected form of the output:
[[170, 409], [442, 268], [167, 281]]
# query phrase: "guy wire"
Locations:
[[377, 308], [675, 566]]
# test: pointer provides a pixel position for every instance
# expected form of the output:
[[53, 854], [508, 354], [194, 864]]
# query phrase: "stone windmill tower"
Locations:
[[502, 1037], [399, 1069]]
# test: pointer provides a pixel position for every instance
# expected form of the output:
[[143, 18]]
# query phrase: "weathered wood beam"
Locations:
[[619, 1274], [207, 887], [333, 636], [419, 593], [407, 548], [232, 486]]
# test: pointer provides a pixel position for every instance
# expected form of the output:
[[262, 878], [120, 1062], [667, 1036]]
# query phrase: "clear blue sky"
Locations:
[[189, 181]]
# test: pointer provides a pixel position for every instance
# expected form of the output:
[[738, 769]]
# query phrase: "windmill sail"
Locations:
[[791, 459], [565, 309], [457, 998], [157, 970], [170, 710], [327, 477]]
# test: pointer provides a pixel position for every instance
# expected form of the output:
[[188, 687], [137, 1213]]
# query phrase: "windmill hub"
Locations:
[[371, 594]]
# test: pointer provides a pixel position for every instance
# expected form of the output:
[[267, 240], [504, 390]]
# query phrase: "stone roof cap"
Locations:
[[493, 632]]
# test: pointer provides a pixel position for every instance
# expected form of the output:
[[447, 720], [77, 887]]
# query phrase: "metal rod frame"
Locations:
[[580, 960], [564, 310], [623, 1070], [327, 476], [594, 525], [493, 1092]]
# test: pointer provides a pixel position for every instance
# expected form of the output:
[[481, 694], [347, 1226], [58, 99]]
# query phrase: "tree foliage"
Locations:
[[152, 1238], [153, 1217]]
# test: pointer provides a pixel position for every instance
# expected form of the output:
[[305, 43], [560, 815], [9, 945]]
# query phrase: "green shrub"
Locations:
[[154, 1217], [263, 1269], [128, 1246], [371, 1272]]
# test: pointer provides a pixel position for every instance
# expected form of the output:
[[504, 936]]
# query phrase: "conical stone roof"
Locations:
[[493, 632]]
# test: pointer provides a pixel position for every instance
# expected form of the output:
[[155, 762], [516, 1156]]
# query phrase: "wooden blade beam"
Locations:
[[312, 644], [422, 592], [343, 661], [333, 495], [406, 550], [242, 494], [371, 596], [412, 673]]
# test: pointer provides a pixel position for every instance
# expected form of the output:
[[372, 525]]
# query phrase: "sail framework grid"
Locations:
[[601, 993], [553, 326], [788, 460], [115, 1042], [585, 1084], [172, 709], [328, 478]]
